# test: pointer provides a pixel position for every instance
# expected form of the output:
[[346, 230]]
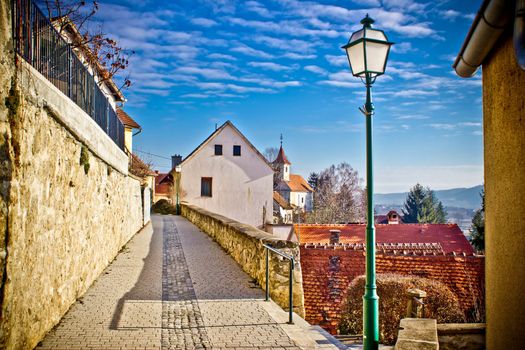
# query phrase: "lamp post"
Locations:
[[178, 169], [367, 52]]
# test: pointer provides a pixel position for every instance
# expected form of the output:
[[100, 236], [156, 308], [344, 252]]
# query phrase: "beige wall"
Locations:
[[128, 138], [242, 186], [59, 226], [504, 142]]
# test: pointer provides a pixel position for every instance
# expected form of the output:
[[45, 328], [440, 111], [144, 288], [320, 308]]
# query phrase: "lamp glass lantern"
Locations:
[[367, 50]]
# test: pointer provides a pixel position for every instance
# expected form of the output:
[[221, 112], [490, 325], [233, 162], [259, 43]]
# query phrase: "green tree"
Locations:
[[477, 230], [441, 214], [422, 206], [414, 204], [313, 180]]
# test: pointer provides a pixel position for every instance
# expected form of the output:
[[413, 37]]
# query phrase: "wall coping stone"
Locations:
[[417, 333], [246, 229], [461, 328]]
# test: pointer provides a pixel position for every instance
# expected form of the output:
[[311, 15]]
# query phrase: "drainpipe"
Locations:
[[489, 24], [138, 132]]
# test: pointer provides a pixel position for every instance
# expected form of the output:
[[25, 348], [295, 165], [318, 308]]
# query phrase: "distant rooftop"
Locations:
[[449, 236]]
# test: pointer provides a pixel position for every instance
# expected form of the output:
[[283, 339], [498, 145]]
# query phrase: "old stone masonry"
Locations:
[[172, 287]]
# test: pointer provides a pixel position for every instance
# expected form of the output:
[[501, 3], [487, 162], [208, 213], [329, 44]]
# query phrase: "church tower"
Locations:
[[282, 164]]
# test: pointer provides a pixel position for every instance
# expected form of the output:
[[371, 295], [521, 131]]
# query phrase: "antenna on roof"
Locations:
[[281, 140], [215, 126]]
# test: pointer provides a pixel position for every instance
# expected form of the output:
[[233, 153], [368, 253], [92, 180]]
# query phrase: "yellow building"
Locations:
[[496, 41]]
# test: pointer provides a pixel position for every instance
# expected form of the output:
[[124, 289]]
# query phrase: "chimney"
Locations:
[[175, 160], [393, 217], [334, 236]]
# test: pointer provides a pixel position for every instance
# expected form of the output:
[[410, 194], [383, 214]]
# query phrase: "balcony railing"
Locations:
[[44, 48]]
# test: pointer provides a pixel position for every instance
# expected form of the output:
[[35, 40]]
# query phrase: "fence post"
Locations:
[[70, 73], [290, 291], [415, 301], [267, 274]]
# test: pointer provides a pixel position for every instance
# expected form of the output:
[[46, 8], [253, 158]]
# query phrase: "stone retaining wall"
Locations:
[[245, 245], [464, 336], [67, 206]]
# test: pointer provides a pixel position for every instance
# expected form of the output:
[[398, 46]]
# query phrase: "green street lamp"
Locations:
[[178, 170], [367, 52]]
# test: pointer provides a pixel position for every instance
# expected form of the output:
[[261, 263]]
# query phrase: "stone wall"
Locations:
[[464, 336], [67, 204], [245, 245]]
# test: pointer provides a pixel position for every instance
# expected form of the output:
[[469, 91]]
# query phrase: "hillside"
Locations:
[[456, 197]]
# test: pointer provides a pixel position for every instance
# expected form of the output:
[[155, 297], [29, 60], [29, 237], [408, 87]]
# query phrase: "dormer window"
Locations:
[[237, 150], [218, 150]]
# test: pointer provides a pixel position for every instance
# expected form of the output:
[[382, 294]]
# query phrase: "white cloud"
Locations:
[[195, 96], [249, 51], [294, 28], [402, 47], [367, 2], [413, 117], [220, 56], [345, 84], [296, 56], [208, 73], [339, 60], [450, 14], [258, 8], [203, 22], [294, 45], [269, 66], [316, 69]]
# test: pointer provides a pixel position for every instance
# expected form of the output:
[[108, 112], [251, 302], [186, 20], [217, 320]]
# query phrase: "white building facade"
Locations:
[[227, 175]]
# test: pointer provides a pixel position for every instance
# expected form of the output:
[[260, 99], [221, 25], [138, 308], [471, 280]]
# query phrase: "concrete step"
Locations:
[[301, 332]]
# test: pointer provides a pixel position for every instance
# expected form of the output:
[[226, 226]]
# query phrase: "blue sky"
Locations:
[[275, 67]]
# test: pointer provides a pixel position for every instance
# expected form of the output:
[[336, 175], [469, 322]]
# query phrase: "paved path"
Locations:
[[172, 287]]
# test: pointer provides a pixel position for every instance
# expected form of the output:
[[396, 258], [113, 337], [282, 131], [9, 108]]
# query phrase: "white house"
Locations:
[[292, 187], [227, 175]]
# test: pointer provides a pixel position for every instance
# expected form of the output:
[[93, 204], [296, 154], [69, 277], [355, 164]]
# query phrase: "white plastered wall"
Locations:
[[242, 185]]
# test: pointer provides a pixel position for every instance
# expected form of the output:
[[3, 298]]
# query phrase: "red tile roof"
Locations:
[[126, 119], [281, 157], [281, 201], [328, 272], [449, 236]]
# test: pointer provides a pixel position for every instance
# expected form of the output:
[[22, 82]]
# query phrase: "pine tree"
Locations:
[[313, 180], [422, 206], [477, 230], [441, 214], [413, 204]]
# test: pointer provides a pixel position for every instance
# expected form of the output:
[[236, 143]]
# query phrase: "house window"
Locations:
[[218, 150], [206, 186], [236, 150], [302, 200]]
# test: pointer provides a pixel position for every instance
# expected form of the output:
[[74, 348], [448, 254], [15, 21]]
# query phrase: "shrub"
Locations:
[[163, 206], [440, 304]]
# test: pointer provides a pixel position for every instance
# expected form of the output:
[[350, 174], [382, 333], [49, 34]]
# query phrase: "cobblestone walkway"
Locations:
[[172, 287]]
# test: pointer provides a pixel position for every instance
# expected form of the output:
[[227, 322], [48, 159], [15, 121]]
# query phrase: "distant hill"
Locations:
[[456, 197]]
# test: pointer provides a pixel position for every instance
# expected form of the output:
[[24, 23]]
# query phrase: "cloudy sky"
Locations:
[[276, 66]]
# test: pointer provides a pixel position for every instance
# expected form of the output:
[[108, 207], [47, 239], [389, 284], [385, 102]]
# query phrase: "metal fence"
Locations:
[[42, 46]]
